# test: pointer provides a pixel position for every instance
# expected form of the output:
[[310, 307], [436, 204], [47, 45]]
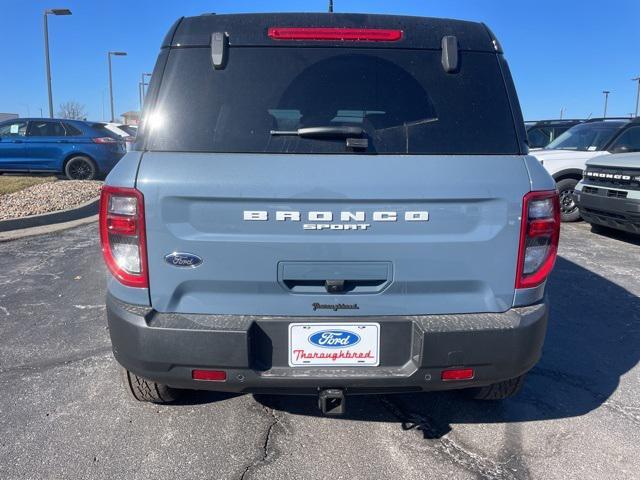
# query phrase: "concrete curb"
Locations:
[[49, 222], [75, 213]]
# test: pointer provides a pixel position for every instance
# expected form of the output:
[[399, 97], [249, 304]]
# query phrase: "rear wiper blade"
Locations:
[[322, 132]]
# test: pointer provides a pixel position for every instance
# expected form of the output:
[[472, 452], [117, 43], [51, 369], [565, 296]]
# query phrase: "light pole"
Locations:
[[52, 11], [637, 79], [117, 54], [606, 101], [141, 86]]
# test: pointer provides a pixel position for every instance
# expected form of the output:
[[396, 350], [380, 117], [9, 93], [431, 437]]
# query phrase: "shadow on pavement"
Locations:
[[616, 234], [592, 340]]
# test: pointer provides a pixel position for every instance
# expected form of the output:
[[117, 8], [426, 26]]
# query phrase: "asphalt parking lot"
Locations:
[[63, 413]]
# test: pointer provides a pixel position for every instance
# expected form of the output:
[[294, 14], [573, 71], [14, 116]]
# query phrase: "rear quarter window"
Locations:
[[71, 130], [402, 98]]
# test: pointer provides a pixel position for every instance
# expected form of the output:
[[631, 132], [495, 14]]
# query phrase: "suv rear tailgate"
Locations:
[[462, 260]]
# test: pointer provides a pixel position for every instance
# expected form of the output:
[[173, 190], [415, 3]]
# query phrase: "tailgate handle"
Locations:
[[334, 277]]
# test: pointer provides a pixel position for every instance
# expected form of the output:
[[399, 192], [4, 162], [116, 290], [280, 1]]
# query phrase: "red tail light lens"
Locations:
[[345, 34], [539, 235], [104, 140], [122, 234]]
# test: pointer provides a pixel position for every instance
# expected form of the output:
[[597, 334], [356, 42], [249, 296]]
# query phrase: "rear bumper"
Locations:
[[253, 350], [618, 213]]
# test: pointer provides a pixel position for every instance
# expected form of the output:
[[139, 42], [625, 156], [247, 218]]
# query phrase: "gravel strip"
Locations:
[[48, 197]]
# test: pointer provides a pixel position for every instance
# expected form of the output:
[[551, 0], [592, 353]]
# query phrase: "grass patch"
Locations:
[[14, 183]]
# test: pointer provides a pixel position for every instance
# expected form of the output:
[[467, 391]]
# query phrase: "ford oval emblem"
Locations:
[[180, 259], [334, 339]]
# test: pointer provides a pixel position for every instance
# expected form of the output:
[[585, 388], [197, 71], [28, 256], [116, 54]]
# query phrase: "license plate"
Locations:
[[334, 344]]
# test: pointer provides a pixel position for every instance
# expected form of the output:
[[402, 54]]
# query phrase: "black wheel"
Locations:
[[145, 390], [80, 168], [498, 391], [568, 209]]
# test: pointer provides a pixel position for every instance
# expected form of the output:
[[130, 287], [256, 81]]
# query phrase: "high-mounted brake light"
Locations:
[[539, 235], [346, 34], [122, 235]]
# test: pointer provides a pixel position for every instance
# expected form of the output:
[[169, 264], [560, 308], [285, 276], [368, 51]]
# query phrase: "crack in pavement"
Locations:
[[268, 455], [455, 452]]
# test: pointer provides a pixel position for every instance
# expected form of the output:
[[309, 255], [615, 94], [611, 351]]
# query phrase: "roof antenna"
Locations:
[[330, 6]]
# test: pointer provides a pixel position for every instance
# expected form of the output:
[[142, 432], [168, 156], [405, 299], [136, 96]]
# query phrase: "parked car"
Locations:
[[77, 149], [542, 132], [609, 193], [565, 157], [132, 130], [367, 220], [127, 134]]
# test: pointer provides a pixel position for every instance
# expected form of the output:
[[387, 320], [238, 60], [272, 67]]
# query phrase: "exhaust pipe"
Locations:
[[332, 401]]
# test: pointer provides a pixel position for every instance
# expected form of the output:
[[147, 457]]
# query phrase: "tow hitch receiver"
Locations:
[[331, 401]]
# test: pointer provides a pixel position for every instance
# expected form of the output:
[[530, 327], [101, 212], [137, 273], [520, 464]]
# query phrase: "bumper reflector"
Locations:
[[209, 375], [457, 374]]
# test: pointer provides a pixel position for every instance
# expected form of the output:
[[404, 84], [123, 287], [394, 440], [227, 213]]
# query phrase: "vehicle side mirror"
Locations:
[[620, 149]]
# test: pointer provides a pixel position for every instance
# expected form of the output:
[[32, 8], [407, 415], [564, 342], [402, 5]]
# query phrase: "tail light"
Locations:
[[122, 234], [539, 235], [344, 34], [104, 140]]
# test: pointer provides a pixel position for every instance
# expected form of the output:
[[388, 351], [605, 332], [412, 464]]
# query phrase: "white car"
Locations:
[[123, 131], [565, 157]]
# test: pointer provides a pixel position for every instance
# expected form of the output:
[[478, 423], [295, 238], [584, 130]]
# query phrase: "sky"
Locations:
[[562, 53]]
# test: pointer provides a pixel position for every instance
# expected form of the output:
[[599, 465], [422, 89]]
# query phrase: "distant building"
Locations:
[[131, 118], [8, 116]]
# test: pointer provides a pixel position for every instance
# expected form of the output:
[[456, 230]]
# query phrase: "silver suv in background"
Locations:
[[609, 193], [565, 157]]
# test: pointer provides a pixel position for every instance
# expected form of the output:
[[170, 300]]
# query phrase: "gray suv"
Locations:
[[328, 204]]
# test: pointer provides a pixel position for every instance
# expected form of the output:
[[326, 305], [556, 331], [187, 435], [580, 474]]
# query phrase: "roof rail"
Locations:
[[549, 120], [602, 119]]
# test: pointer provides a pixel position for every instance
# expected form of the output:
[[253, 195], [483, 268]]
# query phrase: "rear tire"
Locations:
[[80, 168], [568, 209], [498, 391], [144, 390]]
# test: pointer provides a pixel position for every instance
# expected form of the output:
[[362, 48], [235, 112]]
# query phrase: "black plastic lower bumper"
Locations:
[[252, 350], [618, 213]]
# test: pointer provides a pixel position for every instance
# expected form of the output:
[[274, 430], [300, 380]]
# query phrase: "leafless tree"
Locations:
[[72, 110]]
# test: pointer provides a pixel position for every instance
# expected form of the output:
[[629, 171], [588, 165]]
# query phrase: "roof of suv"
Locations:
[[553, 122], [251, 30], [42, 119]]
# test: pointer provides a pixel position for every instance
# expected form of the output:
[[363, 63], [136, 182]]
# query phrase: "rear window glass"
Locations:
[[402, 99], [71, 130]]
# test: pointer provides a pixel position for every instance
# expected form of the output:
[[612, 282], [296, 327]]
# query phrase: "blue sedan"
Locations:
[[77, 149]]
